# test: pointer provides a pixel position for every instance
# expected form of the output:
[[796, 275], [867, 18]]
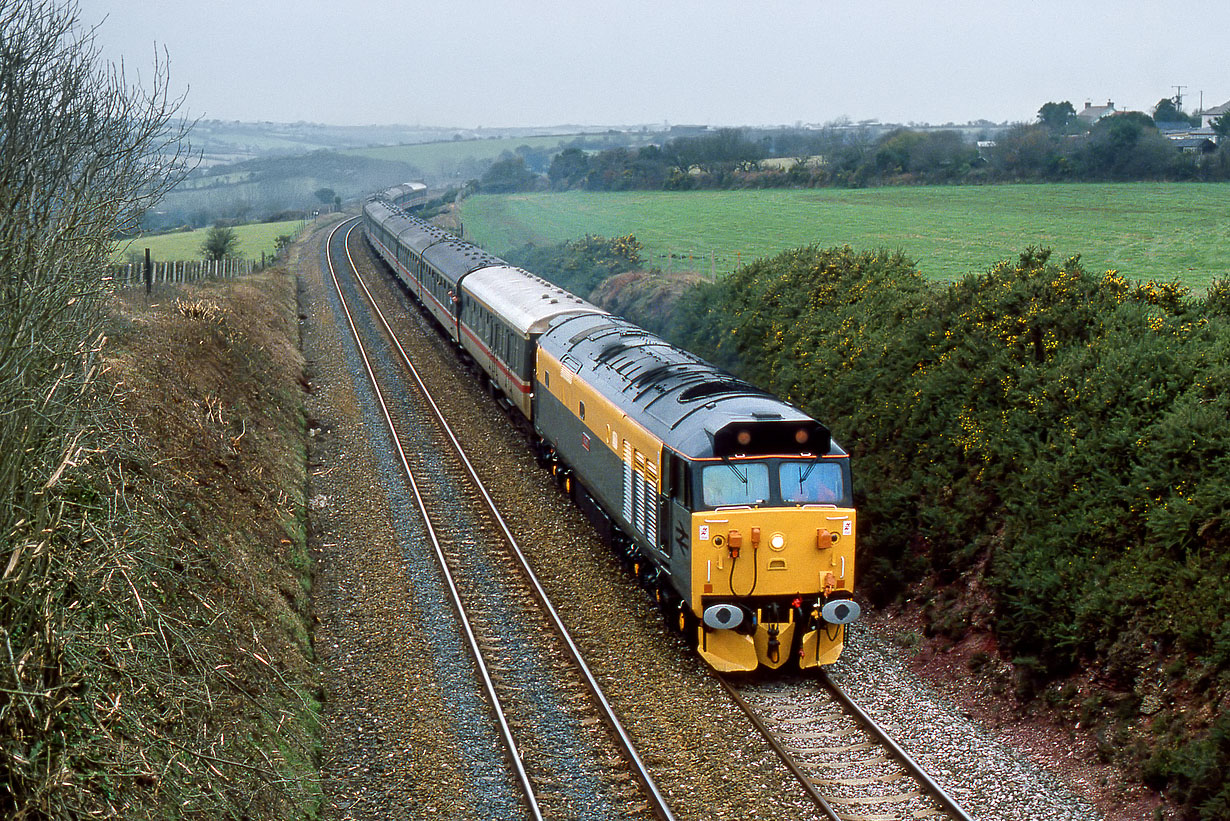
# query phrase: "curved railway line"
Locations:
[[551, 713], [525, 667]]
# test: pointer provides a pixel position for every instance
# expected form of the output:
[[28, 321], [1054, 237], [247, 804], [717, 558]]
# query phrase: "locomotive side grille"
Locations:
[[627, 482], [638, 480], [651, 507]]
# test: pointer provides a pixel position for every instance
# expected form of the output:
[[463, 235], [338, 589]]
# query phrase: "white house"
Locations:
[[1210, 114], [1092, 113]]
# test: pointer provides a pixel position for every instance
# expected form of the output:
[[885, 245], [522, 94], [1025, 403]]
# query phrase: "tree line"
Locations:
[[1058, 147]]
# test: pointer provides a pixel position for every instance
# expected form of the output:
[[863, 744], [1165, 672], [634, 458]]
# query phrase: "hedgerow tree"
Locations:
[[220, 243], [506, 175], [1221, 126], [82, 154], [1057, 117]]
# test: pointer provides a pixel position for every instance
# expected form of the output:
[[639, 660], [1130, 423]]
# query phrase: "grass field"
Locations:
[[1160, 231], [445, 159], [253, 239]]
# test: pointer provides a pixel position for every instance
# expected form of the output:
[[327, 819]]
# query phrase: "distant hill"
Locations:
[[254, 170], [223, 142]]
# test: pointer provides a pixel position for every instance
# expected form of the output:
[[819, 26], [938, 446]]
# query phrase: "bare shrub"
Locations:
[[82, 154]]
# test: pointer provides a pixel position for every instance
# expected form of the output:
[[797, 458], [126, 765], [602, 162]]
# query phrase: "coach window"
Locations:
[[582, 409]]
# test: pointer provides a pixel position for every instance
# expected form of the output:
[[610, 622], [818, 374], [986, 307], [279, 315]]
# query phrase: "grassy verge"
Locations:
[[1159, 231], [180, 576]]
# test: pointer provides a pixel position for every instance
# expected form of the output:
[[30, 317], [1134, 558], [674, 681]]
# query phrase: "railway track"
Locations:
[[843, 759], [565, 748]]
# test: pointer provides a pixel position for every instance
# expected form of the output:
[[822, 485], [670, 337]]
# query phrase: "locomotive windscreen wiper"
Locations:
[[742, 476], [803, 474]]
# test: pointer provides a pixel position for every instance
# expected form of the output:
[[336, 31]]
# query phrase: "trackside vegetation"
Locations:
[[155, 661], [1041, 453]]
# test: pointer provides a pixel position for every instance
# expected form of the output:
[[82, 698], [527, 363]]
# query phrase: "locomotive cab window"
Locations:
[[814, 482], [735, 483], [677, 478]]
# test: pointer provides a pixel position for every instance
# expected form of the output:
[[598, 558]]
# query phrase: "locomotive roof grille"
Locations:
[[611, 351], [590, 332], [654, 375], [715, 387]]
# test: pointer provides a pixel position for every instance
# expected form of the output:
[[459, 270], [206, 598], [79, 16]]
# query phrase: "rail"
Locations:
[[910, 768], [657, 802]]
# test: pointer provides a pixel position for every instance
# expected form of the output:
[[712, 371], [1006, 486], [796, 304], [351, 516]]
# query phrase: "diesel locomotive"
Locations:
[[732, 507]]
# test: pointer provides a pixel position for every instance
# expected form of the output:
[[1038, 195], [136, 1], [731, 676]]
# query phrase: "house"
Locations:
[[1194, 145], [1092, 113], [1169, 128], [1210, 114]]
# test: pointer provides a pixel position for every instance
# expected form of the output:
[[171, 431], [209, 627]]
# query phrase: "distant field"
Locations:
[[187, 244], [456, 157], [1161, 231]]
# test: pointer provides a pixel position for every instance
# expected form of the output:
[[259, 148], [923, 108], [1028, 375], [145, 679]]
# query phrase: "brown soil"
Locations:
[[972, 676]]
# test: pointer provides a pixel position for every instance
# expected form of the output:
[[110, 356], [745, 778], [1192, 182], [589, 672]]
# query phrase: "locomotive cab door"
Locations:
[[675, 528]]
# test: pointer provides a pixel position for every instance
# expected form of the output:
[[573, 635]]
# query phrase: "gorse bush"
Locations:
[[1057, 435], [580, 265]]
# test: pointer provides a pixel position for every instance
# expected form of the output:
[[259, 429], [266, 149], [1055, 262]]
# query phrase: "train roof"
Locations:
[[410, 231], [694, 407], [526, 301], [380, 209], [399, 193], [416, 234], [454, 258]]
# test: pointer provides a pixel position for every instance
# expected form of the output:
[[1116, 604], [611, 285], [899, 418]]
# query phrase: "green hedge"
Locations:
[[1053, 436], [579, 266]]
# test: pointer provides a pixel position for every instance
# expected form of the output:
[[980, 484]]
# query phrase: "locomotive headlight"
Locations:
[[777, 541]]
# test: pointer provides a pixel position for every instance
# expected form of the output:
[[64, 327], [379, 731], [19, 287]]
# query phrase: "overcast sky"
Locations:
[[468, 63]]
